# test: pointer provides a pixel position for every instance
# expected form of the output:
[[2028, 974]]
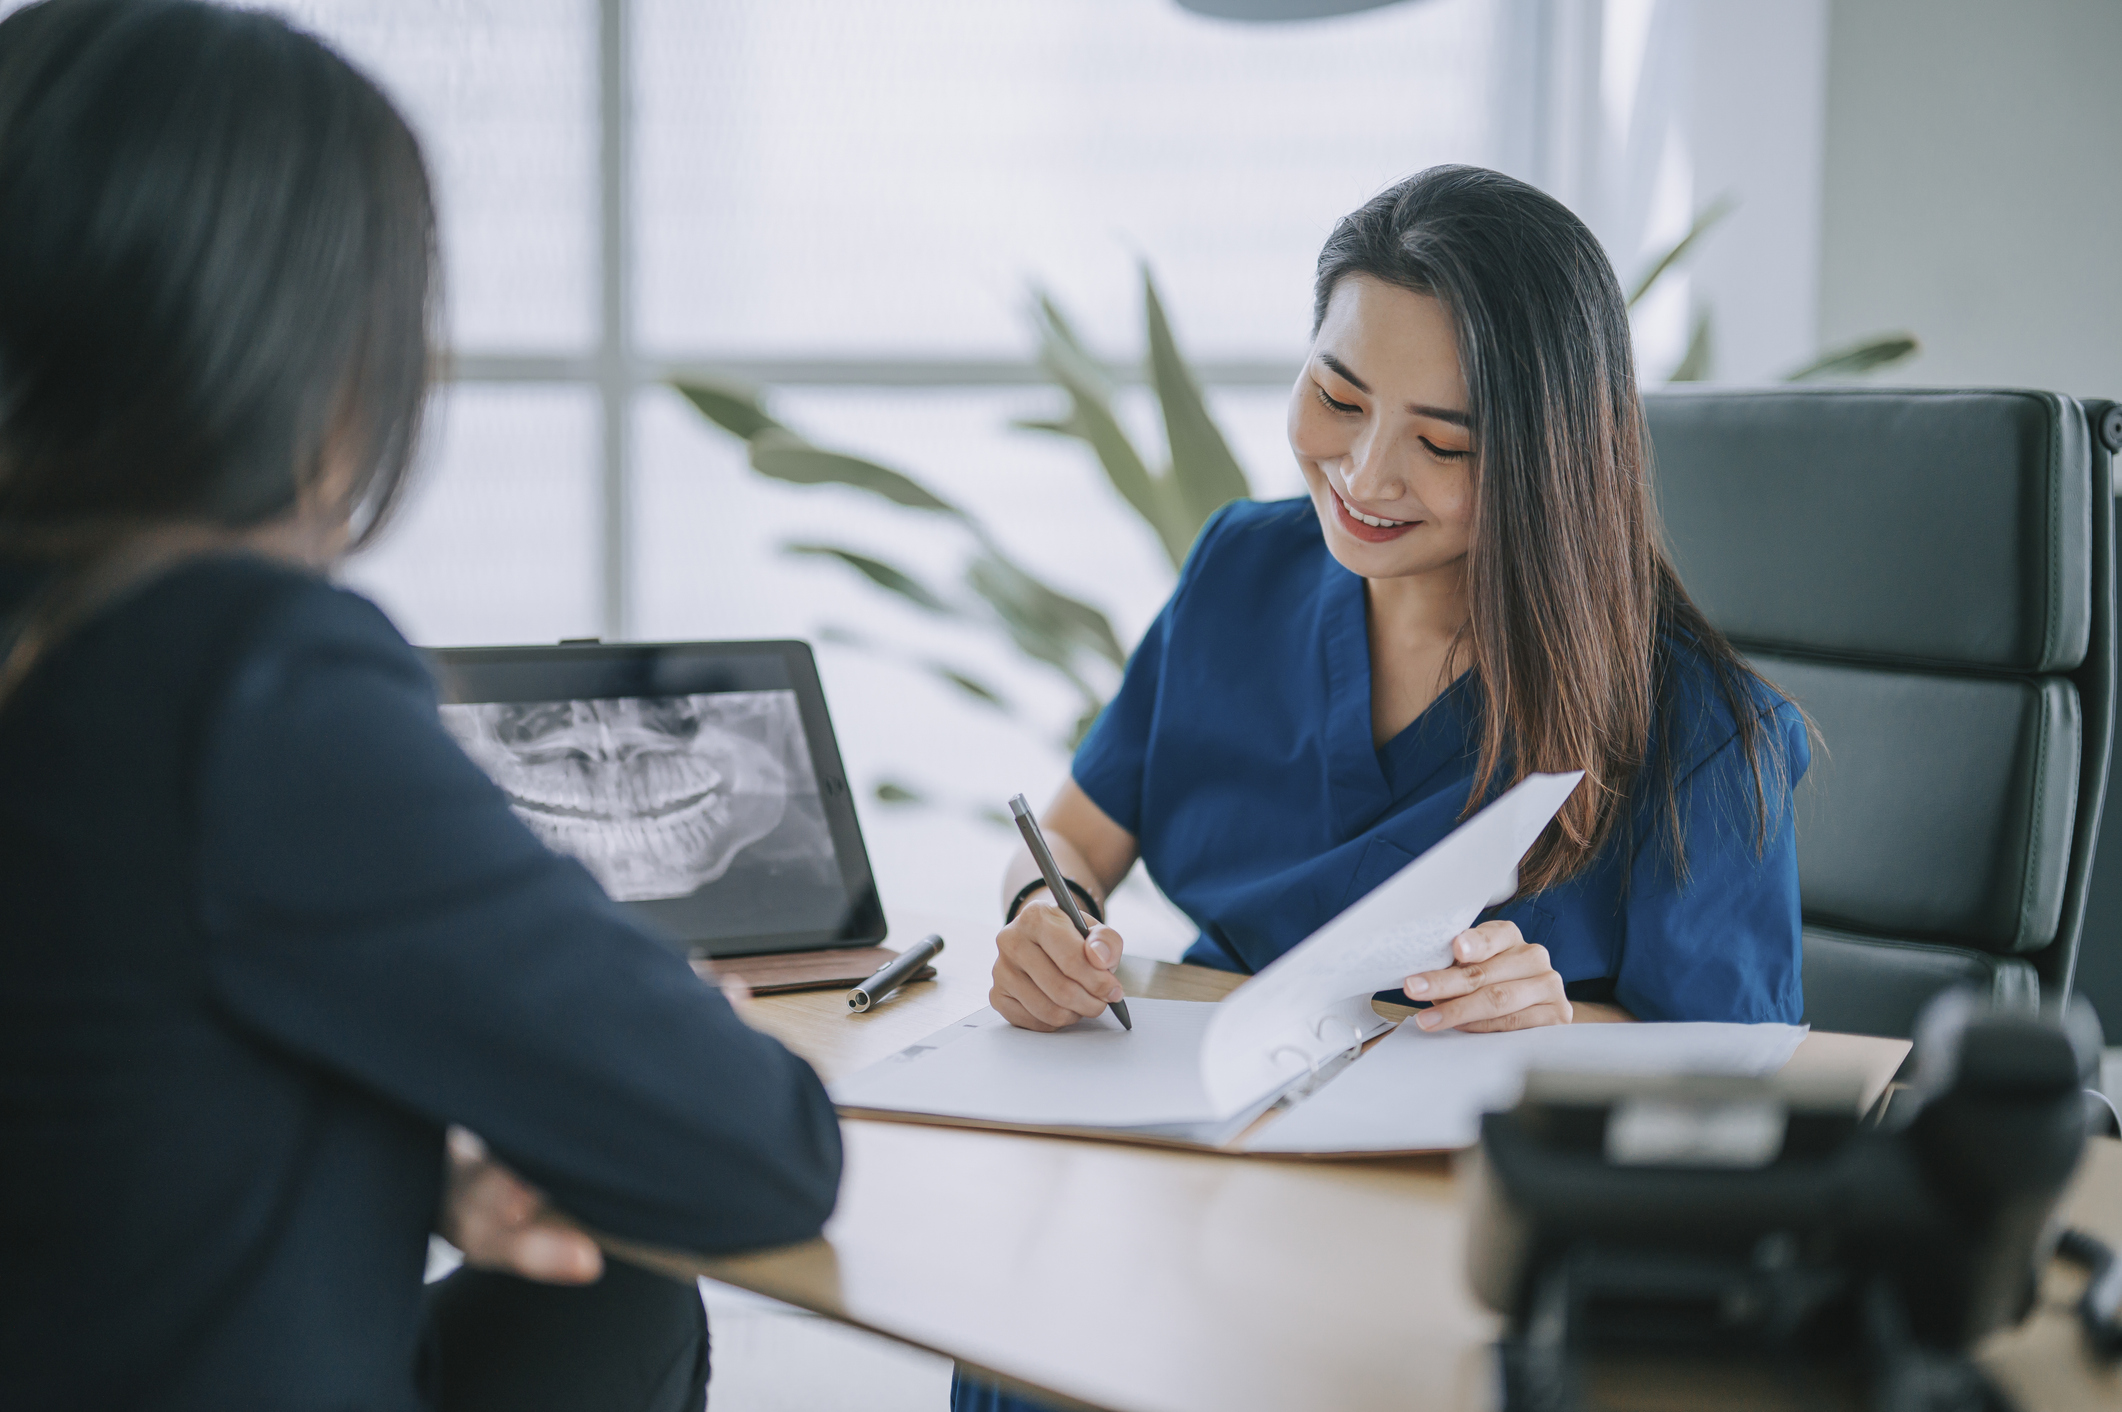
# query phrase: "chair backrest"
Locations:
[[1924, 573]]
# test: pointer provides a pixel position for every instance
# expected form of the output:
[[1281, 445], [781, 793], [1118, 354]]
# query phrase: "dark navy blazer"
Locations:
[[265, 932], [1239, 753]]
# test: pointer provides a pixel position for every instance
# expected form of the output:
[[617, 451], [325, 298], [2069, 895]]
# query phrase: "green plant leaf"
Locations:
[[1205, 476], [1695, 363], [1041, 638], [971, 686], [963, 681], [893, 792], [883, 575], [731, 406], [1055, 610], [1059, 341], [1860, 357], [1038, 632], [1714, 212], [784, 456], [1081, 728], [1091, 421]]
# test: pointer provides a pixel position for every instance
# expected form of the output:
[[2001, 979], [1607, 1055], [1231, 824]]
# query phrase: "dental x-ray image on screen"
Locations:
[[662, 797]]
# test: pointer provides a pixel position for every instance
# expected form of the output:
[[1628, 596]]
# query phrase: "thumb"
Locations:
[[1104, 946], [552, 1252]]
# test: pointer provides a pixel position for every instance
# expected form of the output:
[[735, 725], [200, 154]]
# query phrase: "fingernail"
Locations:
[[1416, 985], [1115, 996], [1427, 1019], [1102, 952]]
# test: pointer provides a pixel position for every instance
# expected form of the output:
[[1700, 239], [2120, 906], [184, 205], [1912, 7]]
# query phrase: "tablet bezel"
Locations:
[[578, 671]]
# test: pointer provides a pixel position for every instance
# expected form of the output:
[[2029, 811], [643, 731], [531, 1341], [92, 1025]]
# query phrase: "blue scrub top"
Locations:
[[1238, 753]]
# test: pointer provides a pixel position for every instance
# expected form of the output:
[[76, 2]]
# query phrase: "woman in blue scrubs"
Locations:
[[1474, 589]]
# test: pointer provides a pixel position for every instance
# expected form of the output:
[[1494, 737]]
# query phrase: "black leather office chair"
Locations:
[[1930, 574]]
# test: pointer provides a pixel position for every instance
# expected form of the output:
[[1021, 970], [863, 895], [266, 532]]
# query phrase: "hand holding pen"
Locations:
[[1054, 965]]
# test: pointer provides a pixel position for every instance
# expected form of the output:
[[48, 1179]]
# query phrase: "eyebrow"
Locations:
[[1442, 414]]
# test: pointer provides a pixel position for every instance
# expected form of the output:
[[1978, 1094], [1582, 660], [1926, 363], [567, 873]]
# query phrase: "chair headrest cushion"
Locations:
[[1929, 527]]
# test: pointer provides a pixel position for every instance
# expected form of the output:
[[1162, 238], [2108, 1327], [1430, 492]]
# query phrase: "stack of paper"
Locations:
[[1422, 1092]]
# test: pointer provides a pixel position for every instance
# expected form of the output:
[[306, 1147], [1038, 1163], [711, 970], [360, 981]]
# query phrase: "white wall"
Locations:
[[1650, 111], [1973, 188], [1756, 114], [1952, 168]]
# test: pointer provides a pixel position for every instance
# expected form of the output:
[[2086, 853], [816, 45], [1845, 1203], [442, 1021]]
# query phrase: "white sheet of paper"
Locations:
[[1306, 1005], [1417, 1091], [1091, 1075]]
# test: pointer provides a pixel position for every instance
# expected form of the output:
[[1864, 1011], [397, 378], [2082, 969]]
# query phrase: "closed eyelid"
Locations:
[[1332, 402]]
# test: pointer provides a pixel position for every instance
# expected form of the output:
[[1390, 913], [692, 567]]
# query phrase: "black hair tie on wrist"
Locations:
[[1090, 904]]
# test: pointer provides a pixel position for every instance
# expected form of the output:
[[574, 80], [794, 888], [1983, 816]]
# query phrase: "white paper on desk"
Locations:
[[1091, 1075], [1311, 1002], [1416, 1091]]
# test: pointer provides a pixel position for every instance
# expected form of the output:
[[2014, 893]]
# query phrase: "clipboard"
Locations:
[[1397, 1091]]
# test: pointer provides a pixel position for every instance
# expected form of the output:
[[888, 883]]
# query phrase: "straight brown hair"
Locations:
[[1575, 613]]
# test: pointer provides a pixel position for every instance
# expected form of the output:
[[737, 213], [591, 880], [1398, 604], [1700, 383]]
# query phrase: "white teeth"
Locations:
[[1372, 520], [656, 799]]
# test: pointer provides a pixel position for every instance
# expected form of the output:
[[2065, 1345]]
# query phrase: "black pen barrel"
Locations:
[[894, 973], [1057, 885]]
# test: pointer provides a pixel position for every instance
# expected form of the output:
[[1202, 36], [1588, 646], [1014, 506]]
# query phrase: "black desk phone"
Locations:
[[1747, 1220]]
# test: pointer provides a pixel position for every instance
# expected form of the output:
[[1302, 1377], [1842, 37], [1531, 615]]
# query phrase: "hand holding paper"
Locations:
[[1497, 981], [1308, 1005]]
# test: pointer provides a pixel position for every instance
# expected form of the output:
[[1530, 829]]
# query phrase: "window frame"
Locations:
[[619, 370]]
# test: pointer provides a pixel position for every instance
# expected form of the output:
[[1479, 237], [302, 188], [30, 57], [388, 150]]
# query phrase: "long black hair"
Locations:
[[1576, 617], [217, 265]]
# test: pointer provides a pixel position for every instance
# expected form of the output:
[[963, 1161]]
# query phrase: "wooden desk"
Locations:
[[1156, 1281]]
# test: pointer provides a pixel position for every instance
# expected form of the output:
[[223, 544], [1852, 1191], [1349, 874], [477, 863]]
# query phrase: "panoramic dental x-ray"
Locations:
[[657, 796]]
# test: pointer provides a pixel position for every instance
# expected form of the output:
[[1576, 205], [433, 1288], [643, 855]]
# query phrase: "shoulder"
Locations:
[[1703, 702], [1257, 528], [314, 628], [187, 630], [230, 594], [1249, 543], [245, 625], [290, 607]]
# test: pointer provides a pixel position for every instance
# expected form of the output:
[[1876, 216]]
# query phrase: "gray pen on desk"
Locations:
[[1057, 885], [894, 973]]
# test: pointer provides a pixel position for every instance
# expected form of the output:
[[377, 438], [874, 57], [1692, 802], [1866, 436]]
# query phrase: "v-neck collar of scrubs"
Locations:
[[1366, 780]]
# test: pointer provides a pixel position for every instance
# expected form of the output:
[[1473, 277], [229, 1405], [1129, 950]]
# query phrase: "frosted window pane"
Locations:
[[708, 564], [825, 176], [503, 94], [498, 543]]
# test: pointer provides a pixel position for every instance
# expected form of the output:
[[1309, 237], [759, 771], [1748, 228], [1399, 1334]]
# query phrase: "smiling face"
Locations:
[[1378, 422]]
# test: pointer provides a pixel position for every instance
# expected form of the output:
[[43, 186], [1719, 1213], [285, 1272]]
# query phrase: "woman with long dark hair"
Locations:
[[1474, 590], [269, 936]]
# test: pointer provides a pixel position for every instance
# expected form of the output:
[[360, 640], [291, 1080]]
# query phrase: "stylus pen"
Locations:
[[893, 973], [1057, 885]]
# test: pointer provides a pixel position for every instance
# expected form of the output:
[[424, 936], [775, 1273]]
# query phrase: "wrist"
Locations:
[[1084, 899]]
